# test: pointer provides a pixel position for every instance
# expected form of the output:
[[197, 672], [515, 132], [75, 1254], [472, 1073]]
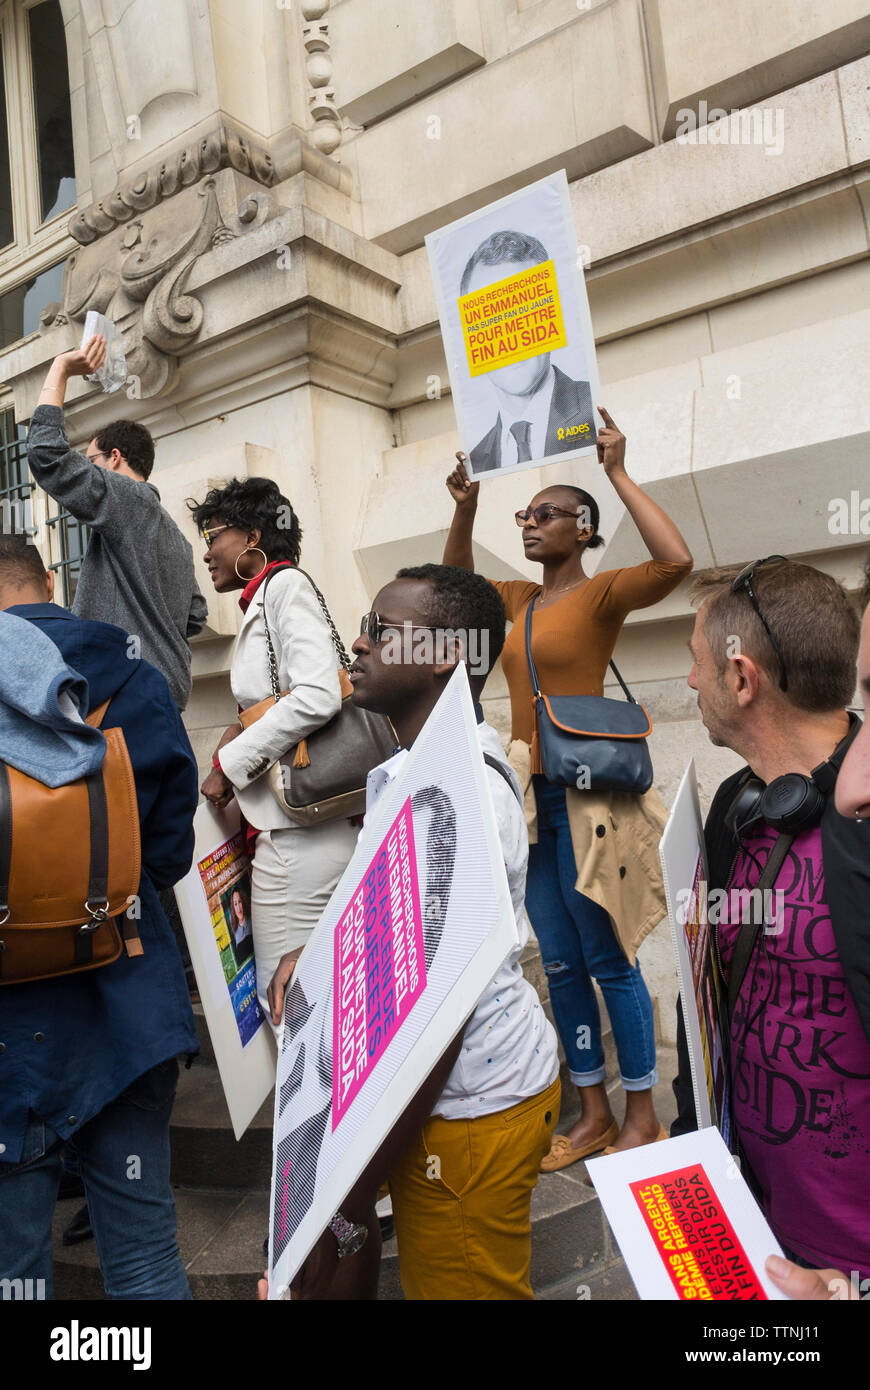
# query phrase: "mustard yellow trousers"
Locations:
[[462, 1202]]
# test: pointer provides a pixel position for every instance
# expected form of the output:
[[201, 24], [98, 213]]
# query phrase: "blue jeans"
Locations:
[[578, 942], [123, 1155]]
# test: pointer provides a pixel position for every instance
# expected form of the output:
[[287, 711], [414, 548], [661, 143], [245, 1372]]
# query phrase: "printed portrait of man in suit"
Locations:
[[535, 402]]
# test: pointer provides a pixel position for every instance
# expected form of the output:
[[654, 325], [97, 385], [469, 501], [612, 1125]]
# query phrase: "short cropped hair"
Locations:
[[254, 504], [462, 601], [501, 248], [20, 561], [133, 442], [810, 616]]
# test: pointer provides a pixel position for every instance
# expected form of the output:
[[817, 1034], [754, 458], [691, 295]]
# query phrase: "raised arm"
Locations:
[[457, 548], [660, 536]]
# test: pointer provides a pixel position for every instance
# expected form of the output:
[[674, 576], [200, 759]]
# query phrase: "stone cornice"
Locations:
[[224, 147]]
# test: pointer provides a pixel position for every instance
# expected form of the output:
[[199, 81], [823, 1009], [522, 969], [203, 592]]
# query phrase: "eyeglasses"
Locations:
[[743, 580], [91, 458], [545, 512], [373, 626], [209, 533]]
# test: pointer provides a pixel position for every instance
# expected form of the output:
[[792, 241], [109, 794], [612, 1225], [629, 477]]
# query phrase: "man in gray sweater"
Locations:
[[138, 570]]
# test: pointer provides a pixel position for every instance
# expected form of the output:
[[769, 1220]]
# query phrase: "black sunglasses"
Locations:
[[743, 580], [373, 626]]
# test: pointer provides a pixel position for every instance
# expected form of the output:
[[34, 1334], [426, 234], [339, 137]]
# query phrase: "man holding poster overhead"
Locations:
[[541, 411]]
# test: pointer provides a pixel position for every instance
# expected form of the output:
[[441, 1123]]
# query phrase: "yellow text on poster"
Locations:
[[512, 320]]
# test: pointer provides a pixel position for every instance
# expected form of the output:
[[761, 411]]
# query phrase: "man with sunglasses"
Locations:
[[489, 1106], [774, 651], [138, 569]]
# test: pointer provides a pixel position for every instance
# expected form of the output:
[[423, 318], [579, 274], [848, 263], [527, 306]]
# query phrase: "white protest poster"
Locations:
[[214, 902], [517, 333], [685, 1221], [684, 869], [417, 927]]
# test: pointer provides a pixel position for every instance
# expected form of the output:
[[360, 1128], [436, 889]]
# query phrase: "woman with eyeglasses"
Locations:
[[252, 536], [576, 835]]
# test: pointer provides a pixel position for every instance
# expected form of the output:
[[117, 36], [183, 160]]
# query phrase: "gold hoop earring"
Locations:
[[246, 578]]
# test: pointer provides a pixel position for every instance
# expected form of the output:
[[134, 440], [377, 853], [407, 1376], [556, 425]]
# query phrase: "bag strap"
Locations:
[[748, 936], [98, 714], [5, 841], [492, 761], [536, 689], [343, 658]]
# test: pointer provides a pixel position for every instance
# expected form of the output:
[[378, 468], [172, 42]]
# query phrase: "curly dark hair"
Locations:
[[463, 601], [254, 504], [865, 592], [133, 442]]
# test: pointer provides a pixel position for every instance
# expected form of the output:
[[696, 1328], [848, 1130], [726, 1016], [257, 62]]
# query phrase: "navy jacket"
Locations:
[[73, 1044]]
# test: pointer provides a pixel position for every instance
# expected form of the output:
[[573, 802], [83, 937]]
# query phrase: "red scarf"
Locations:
[[253, 585]]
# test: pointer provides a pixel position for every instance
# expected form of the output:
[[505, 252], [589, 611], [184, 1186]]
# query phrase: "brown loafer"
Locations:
[[562, 1152], [662, 1134]]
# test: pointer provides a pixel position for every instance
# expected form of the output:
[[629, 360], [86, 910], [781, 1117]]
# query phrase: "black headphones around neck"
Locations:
[[791, 803]]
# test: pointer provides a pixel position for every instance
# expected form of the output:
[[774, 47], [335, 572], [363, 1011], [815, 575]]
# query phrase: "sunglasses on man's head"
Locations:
[[743, 580], [545, 512]]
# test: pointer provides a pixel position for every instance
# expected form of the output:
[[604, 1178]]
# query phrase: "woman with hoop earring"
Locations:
[[252, 535]]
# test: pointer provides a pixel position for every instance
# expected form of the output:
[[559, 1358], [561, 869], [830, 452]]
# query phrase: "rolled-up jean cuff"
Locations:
[[588, 1078], [644, 1083]]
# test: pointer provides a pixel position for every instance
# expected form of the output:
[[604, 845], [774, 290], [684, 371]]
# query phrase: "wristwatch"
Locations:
[[350, 1236]]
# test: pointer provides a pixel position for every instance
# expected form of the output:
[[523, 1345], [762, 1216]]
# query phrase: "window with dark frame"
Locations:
[[70, 541], [69, 538]]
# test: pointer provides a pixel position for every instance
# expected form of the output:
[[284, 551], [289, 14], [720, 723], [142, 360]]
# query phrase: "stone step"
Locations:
[[205, 1152]]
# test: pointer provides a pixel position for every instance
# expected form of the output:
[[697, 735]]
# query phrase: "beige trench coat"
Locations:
[[620, 868]]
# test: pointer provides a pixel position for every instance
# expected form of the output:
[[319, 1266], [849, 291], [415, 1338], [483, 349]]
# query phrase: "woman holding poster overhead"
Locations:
[[594, 886]]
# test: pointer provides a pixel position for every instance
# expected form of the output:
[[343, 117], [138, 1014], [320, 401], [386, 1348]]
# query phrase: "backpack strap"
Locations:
[[493, 762], [98, 714], [5, 841]]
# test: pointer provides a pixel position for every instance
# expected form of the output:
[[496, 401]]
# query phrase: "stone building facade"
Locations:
[[253, 180]]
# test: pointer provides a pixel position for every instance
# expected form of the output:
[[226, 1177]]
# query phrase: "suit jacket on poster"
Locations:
[[571, 405]]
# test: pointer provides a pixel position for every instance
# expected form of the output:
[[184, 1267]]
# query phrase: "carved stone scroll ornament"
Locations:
[[146, 297], [221, 148]]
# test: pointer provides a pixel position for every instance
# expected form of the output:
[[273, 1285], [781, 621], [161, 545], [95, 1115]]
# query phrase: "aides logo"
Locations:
[[75, 1343]]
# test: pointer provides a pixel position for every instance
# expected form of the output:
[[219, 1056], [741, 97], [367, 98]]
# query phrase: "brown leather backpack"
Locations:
[[69, 864]]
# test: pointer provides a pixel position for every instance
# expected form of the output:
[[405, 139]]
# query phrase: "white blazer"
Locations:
[[307, 666]]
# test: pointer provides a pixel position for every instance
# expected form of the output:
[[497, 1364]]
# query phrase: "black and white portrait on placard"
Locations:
[[517, 333]]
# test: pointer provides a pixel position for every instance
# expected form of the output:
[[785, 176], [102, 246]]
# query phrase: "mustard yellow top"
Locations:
[[573, 639]]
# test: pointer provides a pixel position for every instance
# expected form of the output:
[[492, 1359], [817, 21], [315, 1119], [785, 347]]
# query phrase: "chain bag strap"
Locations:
[[323, 776]]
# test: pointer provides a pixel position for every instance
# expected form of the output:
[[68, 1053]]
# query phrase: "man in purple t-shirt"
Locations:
[[774, 651]]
